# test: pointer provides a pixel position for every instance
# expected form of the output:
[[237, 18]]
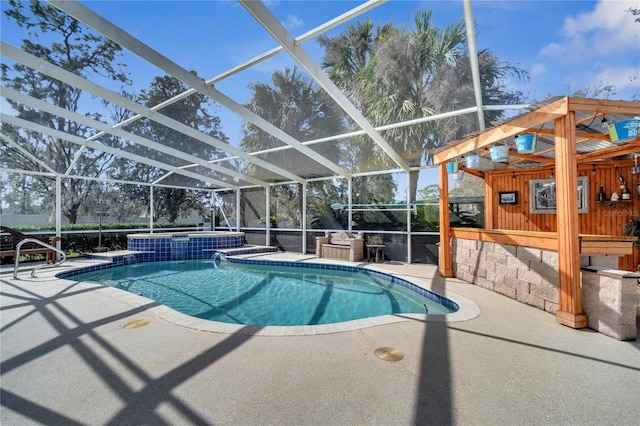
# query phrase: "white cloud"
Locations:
[[537, 70], [621, 77], [292, 22], [607, 31], [597, 48]]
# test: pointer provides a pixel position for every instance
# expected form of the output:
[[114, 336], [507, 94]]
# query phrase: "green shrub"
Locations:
[[84, 242]]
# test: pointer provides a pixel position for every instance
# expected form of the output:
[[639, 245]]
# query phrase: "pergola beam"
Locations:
[[536, 158], [618, 151], [603, 106], [582, 136], [518, 125], [444, 255]]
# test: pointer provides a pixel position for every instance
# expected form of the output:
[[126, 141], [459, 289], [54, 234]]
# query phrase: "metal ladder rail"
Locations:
[[46, 265]]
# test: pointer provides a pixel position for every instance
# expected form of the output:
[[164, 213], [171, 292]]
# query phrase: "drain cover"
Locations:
[[136, 323], [389, 354]]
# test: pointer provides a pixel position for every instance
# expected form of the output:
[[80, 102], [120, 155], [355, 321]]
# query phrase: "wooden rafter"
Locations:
[[583, 136], [536, 118], [535, 158], [531, 123], [474, 172], [616, 151], [604, 106]]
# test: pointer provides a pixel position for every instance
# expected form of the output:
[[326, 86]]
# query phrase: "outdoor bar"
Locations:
[[560, 219]]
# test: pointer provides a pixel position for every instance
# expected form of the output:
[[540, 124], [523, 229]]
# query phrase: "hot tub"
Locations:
[[182, 245]]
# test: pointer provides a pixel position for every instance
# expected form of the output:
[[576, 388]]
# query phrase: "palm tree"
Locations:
[[412, 73], [348, 61], [452, 89], [348, 58], [295, 104], [407, 65]]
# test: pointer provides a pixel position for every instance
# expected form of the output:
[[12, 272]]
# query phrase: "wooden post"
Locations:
[[489, 208], [570, 311], [444, 262]]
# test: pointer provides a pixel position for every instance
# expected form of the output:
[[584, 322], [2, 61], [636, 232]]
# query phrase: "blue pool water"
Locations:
[[265, 295]]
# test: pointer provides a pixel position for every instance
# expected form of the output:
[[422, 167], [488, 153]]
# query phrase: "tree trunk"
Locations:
[[364, 191], [72, 215], [413, 185]]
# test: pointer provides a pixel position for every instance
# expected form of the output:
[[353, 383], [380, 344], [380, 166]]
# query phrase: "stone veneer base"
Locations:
[[530, 275]]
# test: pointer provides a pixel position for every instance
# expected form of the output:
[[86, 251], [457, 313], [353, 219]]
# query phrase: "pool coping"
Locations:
[[467, 308]]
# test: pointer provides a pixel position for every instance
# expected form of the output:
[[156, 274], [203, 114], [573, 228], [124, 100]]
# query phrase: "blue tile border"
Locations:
[[182, 247]]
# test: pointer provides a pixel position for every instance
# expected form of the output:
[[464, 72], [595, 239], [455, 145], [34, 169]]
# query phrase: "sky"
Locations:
[[564, 46]]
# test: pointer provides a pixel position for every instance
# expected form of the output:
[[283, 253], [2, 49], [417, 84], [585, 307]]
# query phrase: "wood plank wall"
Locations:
[[602, 218]]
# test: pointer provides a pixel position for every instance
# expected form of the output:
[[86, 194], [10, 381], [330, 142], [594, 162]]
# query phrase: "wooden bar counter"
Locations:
[[590, 244]]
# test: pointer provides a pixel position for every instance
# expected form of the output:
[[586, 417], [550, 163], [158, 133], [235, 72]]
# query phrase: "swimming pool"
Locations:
[[281, 295]]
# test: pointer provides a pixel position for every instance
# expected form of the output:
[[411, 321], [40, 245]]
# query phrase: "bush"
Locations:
[[84, 242]]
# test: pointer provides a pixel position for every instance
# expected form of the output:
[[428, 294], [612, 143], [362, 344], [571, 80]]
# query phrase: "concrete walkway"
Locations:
[[67, 359]]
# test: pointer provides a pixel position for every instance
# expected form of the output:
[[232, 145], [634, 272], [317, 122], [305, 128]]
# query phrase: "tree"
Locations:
[[471, 186], [320, 196], [18, 197], [192, 111], [392, 83], [452, 89], [416, 72], [76, 50], [430, 192], [348, 61], [295, 104], [427, 56]]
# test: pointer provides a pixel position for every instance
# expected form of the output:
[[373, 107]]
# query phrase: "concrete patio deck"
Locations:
[[67, 359]]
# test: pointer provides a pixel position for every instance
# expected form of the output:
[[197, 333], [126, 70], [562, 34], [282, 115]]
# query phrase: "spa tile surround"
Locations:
[[182, 246]]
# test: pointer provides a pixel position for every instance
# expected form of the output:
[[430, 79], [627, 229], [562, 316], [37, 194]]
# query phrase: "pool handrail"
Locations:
[[46, 265]]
